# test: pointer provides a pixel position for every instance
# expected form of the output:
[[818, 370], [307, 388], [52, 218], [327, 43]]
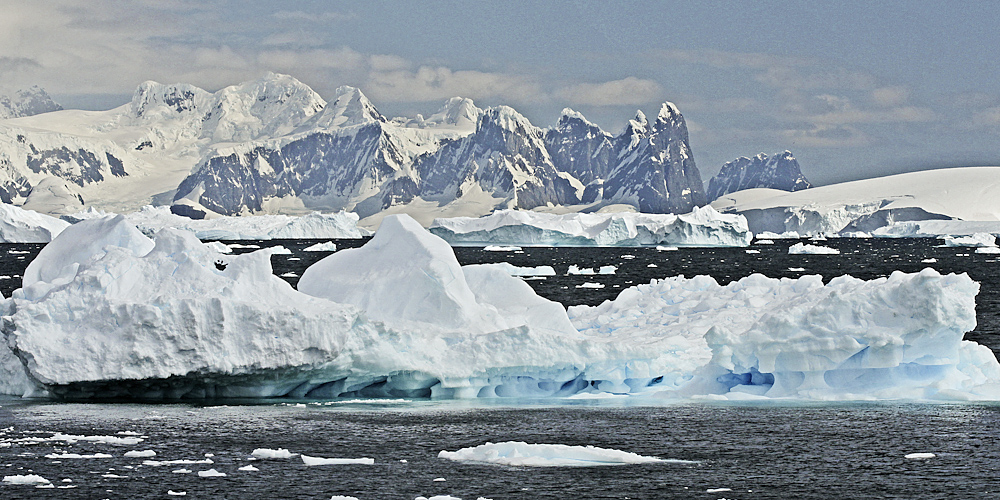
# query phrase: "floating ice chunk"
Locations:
[[327, 246], [182, 471], [248, 468], [18, 225], [752, 251], [764, 242], [25, 479], [278, 250], [974, 240], [289, 275], [988, 250], [343, 497], [438, 480], [607, 270], [113, 476], [220, 247], [65, 456], [576, 270], [72, 438], [931, 260], [803, 248], [591, 285], [663, 248], [140, 454], [919, 456], [547, 455], [336, 461], [500, 248], [158, 463], [796, 269], [717, 490], [438, 497], [702, 227], [176, 493], [521, 271], [267, 453], [241, 245], [211, 473], [787, 235]]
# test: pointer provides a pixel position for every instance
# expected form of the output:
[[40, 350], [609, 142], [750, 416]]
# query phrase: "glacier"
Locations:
[[108, 312], [702, 227]]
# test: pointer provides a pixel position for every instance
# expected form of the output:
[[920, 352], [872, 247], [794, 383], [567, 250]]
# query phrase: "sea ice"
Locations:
[[520, 271], [266, 453], [547, 455], [65, 456], [328, 246], [803, 248], [500, 248], [919, 456], [974, 240], [248, 468], [25, 479], [211, 473], [702, 227], [140, 454], [336, 461]]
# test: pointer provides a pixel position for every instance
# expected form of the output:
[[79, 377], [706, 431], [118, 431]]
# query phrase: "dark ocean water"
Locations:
[[756, 450]]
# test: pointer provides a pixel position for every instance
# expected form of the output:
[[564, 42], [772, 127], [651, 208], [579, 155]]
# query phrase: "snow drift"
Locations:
[[108, 312], [702, 227]]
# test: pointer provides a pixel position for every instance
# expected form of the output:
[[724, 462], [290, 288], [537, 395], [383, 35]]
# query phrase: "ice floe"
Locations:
[[311, 461], [31, 479], [804, 248], [328, 246], [266, 453], [516, 453]]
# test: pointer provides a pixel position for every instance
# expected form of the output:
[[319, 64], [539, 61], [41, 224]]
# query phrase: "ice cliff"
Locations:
[[106, 311], [702, 227]]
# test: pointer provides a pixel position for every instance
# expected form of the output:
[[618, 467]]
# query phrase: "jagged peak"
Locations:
[[668, 116], [27, 102], [456, 111], [640, 119], [505, 117], [350, 107]]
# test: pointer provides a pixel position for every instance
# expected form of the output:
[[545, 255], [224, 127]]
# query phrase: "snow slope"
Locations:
[[968, 194]]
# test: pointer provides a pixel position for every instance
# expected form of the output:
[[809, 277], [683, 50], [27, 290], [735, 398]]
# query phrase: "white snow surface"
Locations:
[[514, 453], [18, 225], [966, 194], [702, 227], [150, 219], [399, 317]]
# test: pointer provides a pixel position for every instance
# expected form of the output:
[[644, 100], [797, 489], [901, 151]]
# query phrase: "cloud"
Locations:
[[989, 117], [628, 91], [313, 17], [434, 83], [891, 96]]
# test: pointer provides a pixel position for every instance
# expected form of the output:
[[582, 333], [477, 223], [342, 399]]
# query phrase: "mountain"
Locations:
[[32, 101], [275, 146], [780, 171]]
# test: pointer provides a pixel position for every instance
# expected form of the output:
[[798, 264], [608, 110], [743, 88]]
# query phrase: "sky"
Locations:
[[855, 89]]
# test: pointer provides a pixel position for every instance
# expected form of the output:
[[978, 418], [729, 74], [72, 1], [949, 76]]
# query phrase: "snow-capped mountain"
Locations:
[[32, 101], [275, 146], [780, 171], [655, 169]]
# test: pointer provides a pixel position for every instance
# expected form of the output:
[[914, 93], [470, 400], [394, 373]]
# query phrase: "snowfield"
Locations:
[[107, 311], [931, 202]]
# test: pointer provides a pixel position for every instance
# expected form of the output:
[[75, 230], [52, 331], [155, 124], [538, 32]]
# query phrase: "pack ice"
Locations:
[[702, 227], [106, 311]]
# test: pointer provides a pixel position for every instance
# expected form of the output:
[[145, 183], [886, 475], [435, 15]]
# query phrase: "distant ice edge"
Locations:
[[107, 312]]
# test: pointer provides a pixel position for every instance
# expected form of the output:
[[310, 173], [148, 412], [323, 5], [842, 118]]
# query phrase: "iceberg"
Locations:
[[702, 227], [316, 225], [975, 240], [18, 225], [106, 311]]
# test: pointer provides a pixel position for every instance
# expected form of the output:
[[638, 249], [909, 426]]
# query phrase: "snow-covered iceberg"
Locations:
[[702, 227], [316, 225], [516, 453], [18, 225], [106, 311]]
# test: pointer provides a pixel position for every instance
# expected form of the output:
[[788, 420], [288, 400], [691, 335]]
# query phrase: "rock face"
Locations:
[[273, 145], [28, 102], [780, 171]]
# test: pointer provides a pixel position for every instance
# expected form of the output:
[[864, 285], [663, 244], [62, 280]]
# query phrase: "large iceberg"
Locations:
[[702, 227], [316, 225], [106, 311], [18, 225]]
